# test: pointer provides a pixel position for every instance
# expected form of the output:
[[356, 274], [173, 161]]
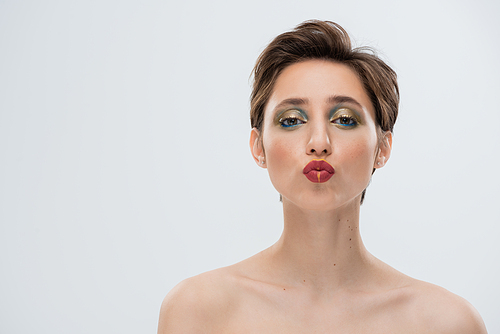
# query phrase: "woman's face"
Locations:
[[319, 112]]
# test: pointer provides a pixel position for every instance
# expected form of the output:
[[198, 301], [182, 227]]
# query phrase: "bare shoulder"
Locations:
[[197, 304], [443, 311]]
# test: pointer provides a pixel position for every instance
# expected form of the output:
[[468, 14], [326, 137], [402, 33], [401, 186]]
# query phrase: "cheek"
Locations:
[[360, 151], [281, 161], [278, 152], [359, 155]]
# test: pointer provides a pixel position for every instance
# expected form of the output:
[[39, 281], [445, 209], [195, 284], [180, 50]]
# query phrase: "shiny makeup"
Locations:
[[318, 171], [290, 118], [341, 116], [345, 117]]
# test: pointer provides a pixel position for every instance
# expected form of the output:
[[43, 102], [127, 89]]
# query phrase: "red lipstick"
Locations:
[[318, 171]]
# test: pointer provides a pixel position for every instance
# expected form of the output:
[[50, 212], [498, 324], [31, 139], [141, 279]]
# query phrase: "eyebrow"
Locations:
[[291, 101], [334, 99], [344, 99]]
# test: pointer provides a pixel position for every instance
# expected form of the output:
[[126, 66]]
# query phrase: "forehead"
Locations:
[[317, 81]]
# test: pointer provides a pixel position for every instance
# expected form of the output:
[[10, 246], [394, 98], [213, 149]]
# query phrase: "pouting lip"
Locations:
[[318, 165]]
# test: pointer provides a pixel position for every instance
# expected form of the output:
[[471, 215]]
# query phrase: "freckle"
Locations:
[[349, 247], [334, 264], [349, 239], [283, 288], [304, 280]]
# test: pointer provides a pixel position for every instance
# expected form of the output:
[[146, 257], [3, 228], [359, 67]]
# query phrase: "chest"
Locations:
[[365, 315]]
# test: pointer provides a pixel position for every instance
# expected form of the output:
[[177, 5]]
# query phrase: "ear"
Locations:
[[256, 148], [384, 150]]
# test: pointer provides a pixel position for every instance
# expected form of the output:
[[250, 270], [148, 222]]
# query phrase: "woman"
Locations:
[[322, 115]]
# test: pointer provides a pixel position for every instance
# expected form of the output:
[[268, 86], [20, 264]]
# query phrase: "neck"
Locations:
[[322, 247]]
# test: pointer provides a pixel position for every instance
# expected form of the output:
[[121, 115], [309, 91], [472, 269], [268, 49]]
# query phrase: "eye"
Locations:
[[291, 122], [345, 120], [291, 118]]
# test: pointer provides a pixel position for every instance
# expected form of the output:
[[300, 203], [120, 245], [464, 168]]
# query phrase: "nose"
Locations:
[[319, 142]]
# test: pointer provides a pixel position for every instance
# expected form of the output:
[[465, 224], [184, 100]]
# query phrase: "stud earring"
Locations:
[[378, 163], [261, 161]]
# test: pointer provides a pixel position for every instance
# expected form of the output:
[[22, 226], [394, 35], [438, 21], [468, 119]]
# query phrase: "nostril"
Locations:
[[325, 151]]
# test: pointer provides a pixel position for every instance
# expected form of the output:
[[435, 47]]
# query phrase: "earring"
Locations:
[[261, 160], [378, 163]]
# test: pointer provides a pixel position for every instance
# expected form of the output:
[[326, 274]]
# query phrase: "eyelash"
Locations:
[[288, 119], [352, 121]]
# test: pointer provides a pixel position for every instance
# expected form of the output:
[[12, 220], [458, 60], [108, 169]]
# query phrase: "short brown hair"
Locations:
[[326, 40]]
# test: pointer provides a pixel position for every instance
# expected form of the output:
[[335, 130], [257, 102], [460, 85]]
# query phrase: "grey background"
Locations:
[[124, 160]]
